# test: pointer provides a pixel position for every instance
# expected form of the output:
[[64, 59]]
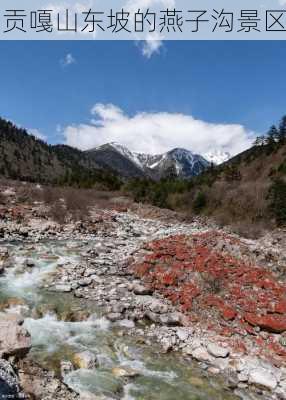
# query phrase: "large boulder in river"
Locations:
[[15, 340]]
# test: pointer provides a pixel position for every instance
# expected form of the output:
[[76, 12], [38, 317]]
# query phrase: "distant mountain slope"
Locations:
[[117, 159], [175, 163], [247, 191], [178, 162], [25, 157]]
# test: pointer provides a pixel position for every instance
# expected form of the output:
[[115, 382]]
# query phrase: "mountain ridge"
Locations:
[[25, 157], [178, 162]]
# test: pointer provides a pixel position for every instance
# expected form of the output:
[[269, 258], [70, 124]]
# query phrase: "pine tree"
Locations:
[[282, 130], [274, 133], [259, 141], [272, 138]]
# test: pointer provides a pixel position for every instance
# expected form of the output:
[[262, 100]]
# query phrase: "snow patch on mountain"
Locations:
[[132, 156], [217, 156]]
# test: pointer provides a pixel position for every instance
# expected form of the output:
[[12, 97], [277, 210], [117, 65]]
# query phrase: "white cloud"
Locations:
[[106, 113], [38, 134], [67, 60], [156, 132], [154, 41], [152, 45]]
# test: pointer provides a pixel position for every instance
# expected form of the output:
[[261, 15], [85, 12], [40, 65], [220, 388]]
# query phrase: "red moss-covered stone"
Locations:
[[280, 307], [277, 348], [215, 289], [271, 323], [228, 313], [228, 332]]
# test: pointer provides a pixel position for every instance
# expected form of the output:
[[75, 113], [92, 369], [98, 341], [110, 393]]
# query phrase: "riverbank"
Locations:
[[127, 267]]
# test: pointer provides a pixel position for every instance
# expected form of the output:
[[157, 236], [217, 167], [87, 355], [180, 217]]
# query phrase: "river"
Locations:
[[55, 338]]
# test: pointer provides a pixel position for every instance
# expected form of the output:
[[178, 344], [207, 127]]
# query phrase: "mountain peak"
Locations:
[[179, 161], [217, 156], [179, 150]]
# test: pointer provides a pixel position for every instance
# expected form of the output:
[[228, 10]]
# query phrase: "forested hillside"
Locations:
[[248, 191], [25, 157]]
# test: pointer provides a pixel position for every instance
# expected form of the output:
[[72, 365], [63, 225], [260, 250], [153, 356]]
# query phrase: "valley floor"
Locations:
[[191, 295]]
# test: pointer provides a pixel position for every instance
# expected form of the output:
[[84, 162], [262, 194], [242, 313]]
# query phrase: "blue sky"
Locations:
[[53, 86]]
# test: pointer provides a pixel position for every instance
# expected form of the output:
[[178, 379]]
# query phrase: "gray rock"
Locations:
[[262, 377], [188, 350], [14, 338], [113, 317], [217, 351], [172, 319], [201, 354], [167, 344], [158, 306], [183, 334], [96, 279], [118, 308], [127, 323], [152, 317], [62, 288], [85, 282], [141, 290]]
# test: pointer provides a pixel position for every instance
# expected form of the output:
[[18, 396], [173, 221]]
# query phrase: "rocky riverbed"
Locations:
[[128, 307]]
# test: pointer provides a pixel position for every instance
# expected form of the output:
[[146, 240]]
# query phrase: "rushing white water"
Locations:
[[20, 281], [52, 333]]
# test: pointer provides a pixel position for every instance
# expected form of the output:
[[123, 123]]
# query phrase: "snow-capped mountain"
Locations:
[[118, 158], [178, 162], [217, 156]]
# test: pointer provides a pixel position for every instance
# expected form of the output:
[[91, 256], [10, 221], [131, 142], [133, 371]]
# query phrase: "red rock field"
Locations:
[[218, 290]]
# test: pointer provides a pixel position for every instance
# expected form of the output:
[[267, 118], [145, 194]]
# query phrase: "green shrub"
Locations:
[[200, 202], [277, 197]]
